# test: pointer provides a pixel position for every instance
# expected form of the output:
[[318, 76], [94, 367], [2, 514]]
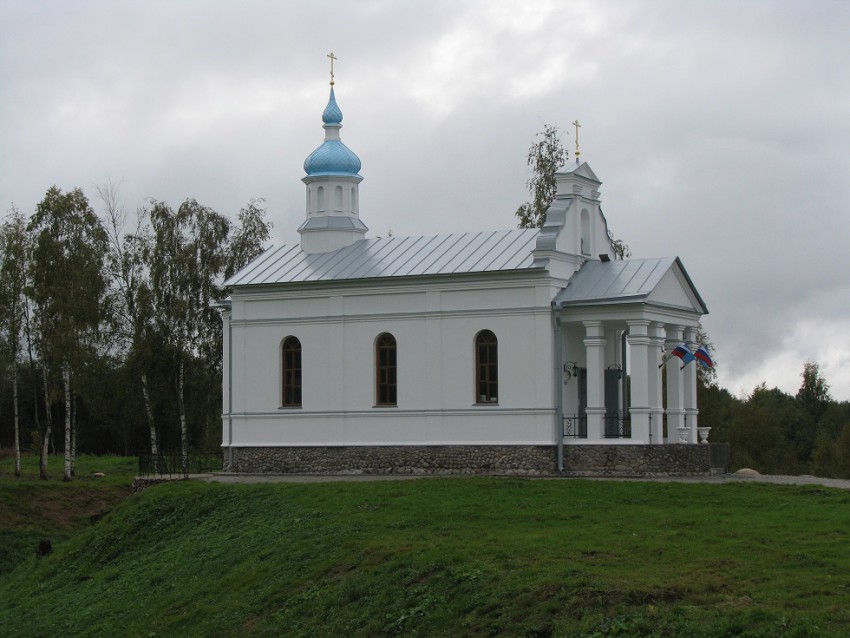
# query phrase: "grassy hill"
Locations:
[[447, 557], [31, 509]]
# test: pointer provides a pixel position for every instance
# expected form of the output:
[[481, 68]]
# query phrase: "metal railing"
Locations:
[[617, 426], [575, 427], [171, 465], [719, 455]]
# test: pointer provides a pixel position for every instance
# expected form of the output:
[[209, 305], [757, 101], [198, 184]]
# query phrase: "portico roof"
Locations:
[[662, 279]]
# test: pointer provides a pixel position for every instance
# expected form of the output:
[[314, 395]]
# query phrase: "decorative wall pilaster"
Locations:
[[226, 372]]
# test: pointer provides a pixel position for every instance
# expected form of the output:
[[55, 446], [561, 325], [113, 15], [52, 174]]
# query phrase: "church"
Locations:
[[525, 351]]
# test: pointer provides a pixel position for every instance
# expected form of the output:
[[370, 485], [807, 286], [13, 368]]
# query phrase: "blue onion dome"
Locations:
[[332, 158], [332, 114]]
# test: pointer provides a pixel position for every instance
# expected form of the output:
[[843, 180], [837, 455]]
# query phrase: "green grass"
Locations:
[[31, 509], [448, 557]]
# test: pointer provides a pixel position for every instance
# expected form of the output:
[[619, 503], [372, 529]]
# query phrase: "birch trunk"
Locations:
[[149, 412], [17, 419], [32, 366], [48, 419], [73, 434], [184, 433], [66, 381]]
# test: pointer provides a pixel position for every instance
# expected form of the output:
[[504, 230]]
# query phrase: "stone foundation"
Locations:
[[637, 460], [517, 460], [397, 459]]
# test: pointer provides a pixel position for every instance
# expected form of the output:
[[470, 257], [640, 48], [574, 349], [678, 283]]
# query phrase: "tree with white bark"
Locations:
[[69, 289], [187, 257], [250, 237], [130, 287], [14, 255]]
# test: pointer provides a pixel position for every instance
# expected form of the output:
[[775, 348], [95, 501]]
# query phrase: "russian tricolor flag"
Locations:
[[703, 358], [684, 353]]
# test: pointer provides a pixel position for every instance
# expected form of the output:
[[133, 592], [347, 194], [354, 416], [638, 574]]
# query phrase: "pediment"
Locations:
[[582, 170], [674, 289], [661, 282]]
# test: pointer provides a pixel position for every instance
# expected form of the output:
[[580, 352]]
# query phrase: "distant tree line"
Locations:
[[109, 341], [777, 433]]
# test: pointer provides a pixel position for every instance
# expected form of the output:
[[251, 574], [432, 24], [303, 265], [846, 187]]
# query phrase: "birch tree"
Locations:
[[249, 239], [545, 157], [31, 330], [187, 257], [13, 266], [68, 286], [129, 275]]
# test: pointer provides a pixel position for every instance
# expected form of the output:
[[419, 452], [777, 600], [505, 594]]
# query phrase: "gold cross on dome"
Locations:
[[332, 57], [578, 126]]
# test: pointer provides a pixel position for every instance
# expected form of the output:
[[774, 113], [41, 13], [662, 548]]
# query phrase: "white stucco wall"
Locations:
[[434, 323]]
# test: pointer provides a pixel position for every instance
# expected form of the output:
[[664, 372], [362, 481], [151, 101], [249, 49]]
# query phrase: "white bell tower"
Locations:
[[333, 183]]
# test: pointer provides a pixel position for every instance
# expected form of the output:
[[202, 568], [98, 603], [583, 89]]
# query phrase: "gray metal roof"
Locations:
[[619, 281], [341, 222], [394, 257]]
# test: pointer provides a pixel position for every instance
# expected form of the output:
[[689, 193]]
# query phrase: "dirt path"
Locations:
[[326, 478], [776, 479]]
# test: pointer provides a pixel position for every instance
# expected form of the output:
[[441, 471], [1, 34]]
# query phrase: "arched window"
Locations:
[[585, 232], [291, 373], [338, 198], [353, 200], [320, 198], [486, 367], [385, 370]]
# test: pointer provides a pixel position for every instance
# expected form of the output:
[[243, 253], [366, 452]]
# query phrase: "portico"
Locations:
[[616, 320]]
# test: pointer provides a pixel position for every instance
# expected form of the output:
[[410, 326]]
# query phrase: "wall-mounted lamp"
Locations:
[[618, 368], [571, 369]]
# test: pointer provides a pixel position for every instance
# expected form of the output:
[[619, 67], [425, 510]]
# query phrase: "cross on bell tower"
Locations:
[[332, 58]]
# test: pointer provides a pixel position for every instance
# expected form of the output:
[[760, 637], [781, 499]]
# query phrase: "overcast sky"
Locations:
[[720, 130]]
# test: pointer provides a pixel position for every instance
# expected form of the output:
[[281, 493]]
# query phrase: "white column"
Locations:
[[675, 400], [653, 375], [689, 388], [594, 343], [639, 346]]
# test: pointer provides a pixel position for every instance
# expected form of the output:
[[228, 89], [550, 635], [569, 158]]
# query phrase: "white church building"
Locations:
[[498, 351]]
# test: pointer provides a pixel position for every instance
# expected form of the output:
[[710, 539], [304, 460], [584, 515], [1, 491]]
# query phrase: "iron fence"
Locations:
[[171, 464], [719, 455], [575, 427], [617, 426]]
